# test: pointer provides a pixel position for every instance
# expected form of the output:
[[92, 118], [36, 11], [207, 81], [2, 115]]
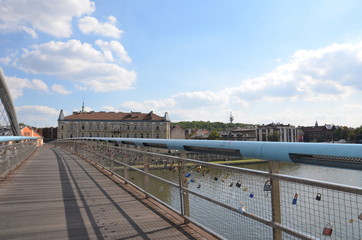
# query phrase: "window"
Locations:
[[127, 135], [83, 128], [135, 135], [157, 135], [141, 135]]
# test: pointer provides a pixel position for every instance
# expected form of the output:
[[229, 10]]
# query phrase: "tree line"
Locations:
[[217, 126], [348, 134], [343, 132]]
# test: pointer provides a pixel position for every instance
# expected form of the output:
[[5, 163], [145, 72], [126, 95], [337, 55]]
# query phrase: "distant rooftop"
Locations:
[[114, 116]]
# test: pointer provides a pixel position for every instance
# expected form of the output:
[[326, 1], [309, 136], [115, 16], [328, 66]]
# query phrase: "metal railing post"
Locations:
[[125, 159], [275, 199], [184, 184], [146, 167]]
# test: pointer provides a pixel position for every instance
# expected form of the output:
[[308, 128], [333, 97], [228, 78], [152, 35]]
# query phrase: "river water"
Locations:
[[308, 215], [334, 175]]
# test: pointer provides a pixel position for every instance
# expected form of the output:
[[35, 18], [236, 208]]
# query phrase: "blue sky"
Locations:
[[293, 62]]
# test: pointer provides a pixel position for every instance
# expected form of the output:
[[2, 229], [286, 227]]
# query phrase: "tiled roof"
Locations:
[[113, 116]]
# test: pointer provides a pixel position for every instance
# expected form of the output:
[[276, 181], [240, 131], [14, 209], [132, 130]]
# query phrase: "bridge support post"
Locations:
[[275, 199], [185, 202], [146, 167], [126, 160]]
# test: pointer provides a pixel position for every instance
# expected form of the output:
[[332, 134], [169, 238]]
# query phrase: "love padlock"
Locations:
[[295, 199], [360, 216], [171, 166], [267, 187], [238, 184], [251, 195], [328, 229], [318, 197]]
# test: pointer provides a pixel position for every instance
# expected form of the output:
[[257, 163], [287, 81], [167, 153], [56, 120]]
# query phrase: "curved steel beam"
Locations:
[[8, 105], [322, 154]]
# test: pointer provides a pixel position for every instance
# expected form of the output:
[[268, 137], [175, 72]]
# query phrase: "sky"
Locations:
[[290, 62]]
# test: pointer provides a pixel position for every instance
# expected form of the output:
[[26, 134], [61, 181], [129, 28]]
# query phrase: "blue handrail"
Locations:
[[15, 138], [322, 154]]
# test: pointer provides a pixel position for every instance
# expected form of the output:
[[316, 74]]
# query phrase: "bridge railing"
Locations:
[[233, 202], [14, 150]]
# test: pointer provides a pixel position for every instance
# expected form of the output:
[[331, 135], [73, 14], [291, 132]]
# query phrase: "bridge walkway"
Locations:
[[57, 195]]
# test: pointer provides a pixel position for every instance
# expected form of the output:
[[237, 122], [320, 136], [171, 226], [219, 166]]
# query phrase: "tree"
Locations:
[[214, 135], [342, 133], [357, 132], [274, 136], [219, 126]]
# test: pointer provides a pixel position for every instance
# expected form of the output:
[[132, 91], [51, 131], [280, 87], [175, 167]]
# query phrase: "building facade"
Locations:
[[49, 133], [277, 132], [112, 124], [240, 134], [318, 133], [29, 132], [178, 132]]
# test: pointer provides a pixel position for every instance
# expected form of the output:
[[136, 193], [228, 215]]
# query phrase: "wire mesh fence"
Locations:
[[12, 153], [233, 202]]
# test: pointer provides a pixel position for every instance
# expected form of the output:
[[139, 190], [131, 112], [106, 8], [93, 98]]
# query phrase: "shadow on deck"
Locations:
[[57, 195]]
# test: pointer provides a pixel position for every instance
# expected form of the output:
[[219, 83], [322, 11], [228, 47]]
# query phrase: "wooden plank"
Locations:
[[56, 195]]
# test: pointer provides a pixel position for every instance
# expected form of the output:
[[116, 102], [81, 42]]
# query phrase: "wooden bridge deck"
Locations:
[[56, 195]]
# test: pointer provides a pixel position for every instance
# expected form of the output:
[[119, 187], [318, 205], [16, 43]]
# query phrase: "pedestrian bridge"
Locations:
[[101, 188]]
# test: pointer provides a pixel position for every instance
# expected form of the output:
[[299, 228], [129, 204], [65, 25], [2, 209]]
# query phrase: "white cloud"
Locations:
[[51, 17], [92, 25], [5, 60], [86, 109], [115, 47], [111, 109], [316, 80], [17, 85], [35, 115], [80, 63], [60, 89]]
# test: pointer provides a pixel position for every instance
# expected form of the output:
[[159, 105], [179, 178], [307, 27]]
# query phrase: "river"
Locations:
[[308, 215]]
